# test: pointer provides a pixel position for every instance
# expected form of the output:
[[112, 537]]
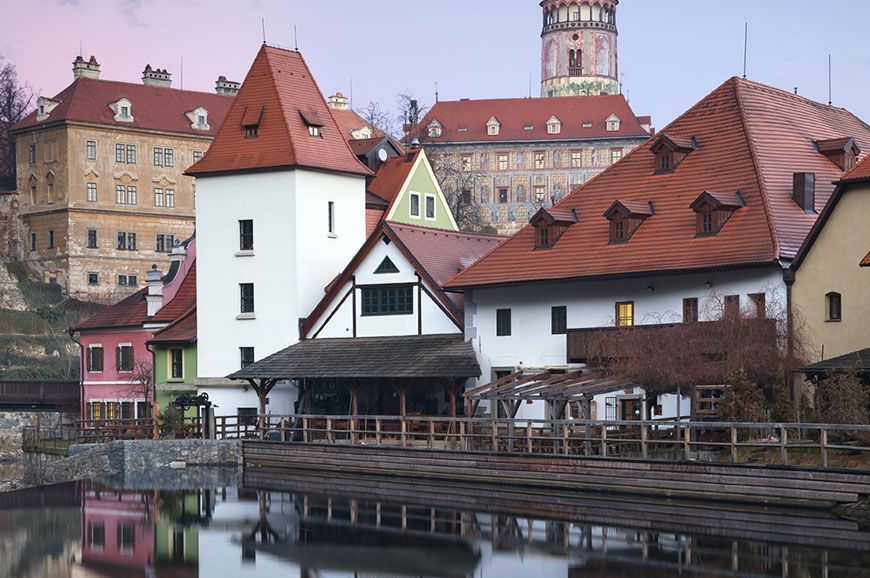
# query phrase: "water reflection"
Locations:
[[334, 528]]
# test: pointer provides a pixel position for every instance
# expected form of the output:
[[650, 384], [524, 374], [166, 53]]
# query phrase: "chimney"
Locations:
[[338, 101], [804, 191], [154, 297], [224, 86], [156, 77], [178, 253], [86, 68]]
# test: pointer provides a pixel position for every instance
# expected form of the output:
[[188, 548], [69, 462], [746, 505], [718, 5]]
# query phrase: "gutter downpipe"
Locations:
[[788, 276]]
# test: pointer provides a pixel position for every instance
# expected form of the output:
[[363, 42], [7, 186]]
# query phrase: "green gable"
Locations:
[[422, 182]]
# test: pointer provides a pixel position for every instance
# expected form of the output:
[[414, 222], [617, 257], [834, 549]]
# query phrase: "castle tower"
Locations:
[[578, 55]]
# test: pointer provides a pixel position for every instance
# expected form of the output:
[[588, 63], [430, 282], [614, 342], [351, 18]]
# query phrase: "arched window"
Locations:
[[833, 306], [575, 62]]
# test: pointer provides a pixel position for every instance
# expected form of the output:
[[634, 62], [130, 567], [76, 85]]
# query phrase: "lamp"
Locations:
[[708, 282], [650, 287]]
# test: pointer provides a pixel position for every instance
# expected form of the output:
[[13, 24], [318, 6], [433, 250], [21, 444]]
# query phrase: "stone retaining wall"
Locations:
[[11, 423], [143, 463]]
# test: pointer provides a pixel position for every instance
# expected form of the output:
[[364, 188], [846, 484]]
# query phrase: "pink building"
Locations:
[[116, 361], [117, 528]]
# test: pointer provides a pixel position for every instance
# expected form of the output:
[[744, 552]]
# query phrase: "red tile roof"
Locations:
[[751, 139], [437, 254], [515, 114], [182, 330], [349, 120], [859, 172], [278, 90], [391, 175], [373, 217], [152, 107], [184, 299], [129, 312], [865, 262]]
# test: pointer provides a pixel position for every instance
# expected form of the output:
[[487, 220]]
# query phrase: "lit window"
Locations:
[[313, 130], [576, 159], [197, 156], [170, 198], [540, 193], [131, 154], [119, 153], [540, 160], [625, 314], [615, 155]]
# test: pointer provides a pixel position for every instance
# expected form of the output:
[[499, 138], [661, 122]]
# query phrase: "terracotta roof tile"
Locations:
[[184, 299], [349, 120], [128, 312], [182, 330], [751, 138], [859, 172], [373, 217], [865, 262], [152, 107], [515, 114], [391, 176], [279, 87]]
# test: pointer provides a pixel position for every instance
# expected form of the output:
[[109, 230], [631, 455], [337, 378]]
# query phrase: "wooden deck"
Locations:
[[782, 486]]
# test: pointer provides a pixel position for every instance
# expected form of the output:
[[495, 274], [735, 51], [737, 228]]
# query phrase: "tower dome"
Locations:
[[578, 54]]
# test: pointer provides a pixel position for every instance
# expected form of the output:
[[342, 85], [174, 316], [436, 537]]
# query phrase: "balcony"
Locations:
[[603, 343]]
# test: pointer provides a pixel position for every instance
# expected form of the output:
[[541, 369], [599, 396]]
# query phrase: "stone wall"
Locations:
[[11, 423], [145, 463]]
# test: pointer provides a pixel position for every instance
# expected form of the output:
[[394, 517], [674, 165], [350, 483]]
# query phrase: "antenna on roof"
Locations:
[[830, 99], [295, 39], [436, 91], [745, 46], [263, 23]]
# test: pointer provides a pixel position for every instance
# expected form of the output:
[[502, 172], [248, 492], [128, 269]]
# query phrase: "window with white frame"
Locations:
[[91, 149], [92, 193], [124, 357], [95, 358], [158, 197], [415, 205], [430, 206], [170, 198]]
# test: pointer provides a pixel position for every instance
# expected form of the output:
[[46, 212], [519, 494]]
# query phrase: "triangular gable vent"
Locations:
[[386, 266]]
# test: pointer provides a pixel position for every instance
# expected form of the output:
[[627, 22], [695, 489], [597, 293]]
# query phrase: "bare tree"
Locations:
[[142, 383], [410, 111], [379, 118], [459, 182], [15, 102]]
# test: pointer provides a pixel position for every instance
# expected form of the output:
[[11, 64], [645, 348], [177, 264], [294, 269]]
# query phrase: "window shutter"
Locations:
[[118, 358]]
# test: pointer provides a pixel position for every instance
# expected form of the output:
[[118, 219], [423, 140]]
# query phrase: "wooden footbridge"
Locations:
[[45, 395]]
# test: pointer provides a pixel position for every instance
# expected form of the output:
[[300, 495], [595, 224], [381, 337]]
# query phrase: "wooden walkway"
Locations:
[[777, 485], [23, 395]]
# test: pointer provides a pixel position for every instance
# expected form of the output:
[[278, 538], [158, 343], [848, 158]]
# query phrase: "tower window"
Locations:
[[833, 306]]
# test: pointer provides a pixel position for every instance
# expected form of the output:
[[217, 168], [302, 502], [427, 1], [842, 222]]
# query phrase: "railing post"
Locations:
[[304, 430], [643, 441], [566, 449], [604, 441], [403, 430], [283, 429], [431, 433], [529, 436], [783, 440], [378, 431], [494, 436], [462, 440], [329, 436], [687, 443], [352, 431], [733, 445], [823, 447]]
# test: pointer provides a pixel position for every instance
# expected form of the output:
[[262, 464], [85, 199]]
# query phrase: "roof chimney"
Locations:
[[178, 252], [224, 86], [804, 191], [338, 101], [156, 77], [154, 296], [86, 68]]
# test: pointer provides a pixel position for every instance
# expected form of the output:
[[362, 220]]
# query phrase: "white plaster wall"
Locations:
[[592, 304], [269, 200], [341, 324], [229, 398], [320, 257]]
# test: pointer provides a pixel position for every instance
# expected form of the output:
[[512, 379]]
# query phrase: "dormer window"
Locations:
[[554, 125], [613, 123], [251, 121], [625, 218], [313, 122], [198, 118], [123, 110], [550, 224], [493, 126], [435, 129], [713, 211], [843, 152], [670, 151]]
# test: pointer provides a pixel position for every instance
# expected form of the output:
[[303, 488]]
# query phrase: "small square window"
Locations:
[[251, 131], [313, 131], [559, 320], [197, 156], [247, 356], [502, 322], [93, 278]]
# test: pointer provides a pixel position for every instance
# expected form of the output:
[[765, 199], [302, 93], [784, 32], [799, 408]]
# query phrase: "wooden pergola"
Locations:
[[555, 388]]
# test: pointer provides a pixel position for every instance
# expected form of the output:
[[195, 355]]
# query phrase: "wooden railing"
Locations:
[[825, 445], [97, 431], [26, 393]]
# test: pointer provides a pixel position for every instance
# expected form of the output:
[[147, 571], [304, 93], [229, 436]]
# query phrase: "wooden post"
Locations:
[[283, 429], [494, 436], [687, 443], [823, 448], [462, 439], [305, 429], [402, 394], [404, 428], [154, 418], [604, 441], [565, 448], [733, 445], [329, 437], [783, 440], [529, 436], [378, 431], [643, 441], [431, 433]]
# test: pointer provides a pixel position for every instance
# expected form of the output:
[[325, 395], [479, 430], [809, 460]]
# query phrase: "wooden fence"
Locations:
[[824, 445]]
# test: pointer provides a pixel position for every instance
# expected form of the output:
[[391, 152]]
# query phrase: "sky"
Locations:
[[672, 53]]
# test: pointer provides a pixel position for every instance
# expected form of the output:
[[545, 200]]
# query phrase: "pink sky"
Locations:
[[672, 52]]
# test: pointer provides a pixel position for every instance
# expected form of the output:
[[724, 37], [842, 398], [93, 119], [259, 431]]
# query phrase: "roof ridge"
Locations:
[[139, 84], [279, 100], [756, 166], [424, 229]]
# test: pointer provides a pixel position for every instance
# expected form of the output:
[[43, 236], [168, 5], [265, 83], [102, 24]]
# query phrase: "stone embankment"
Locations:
[[144, 464]]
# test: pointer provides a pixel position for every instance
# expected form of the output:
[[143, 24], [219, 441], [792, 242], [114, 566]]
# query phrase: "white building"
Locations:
[[280, 212], [700, 220]]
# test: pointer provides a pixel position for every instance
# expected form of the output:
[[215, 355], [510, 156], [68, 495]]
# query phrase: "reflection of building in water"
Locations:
[[117, 527]]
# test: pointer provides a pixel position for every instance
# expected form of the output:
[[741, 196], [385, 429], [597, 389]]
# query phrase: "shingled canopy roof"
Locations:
[[549, 386], [410, 356], [855, 361]]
